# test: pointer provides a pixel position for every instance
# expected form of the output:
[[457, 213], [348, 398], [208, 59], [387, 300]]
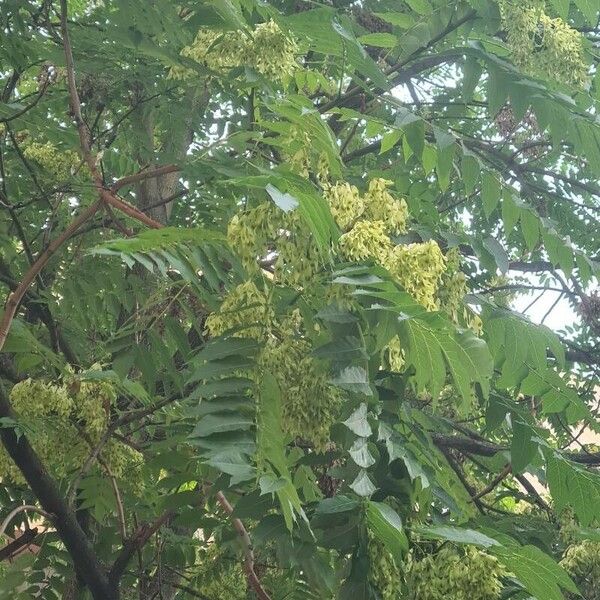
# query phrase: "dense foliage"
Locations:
[[262, 264]]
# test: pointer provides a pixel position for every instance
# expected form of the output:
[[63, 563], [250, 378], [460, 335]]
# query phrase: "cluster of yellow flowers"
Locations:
[[393, 355], [267, 49], [419, 269], [310, 404], [377, 205], [60, 165], [369, 221], [384, 574], [297, 151], [366, 240], [251, 231], [257, 231], [55, 414], [541, 45], [245, 312], [467, 574]]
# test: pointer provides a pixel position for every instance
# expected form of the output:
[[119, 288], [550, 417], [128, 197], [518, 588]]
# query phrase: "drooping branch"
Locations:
[[15, 297], [13, 513]]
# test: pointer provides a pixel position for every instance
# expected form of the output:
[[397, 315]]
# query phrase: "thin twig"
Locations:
[[15, 511], [494, 483], [27, 108], [87, 465], [119, 502], [461, 476]]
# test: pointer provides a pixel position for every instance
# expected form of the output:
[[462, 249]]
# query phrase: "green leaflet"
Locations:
[[270, 449], [573, 485], [431, 351]]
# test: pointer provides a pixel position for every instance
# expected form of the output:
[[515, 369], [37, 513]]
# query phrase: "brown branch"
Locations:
[[22, 541], [253, 579], [135, 543], [15, 297], [128, 209], [116, 223], [533, 493], [84, 134], [461, 476], [51, 499], [142, 175], [467, 445], [495, 482]]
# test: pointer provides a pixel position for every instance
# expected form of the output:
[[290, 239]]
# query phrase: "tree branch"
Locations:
[[142, 175], [13, 547], [13, 513], [136, 542], [253, 579], [15, 297], [44, 487], [467, 445]]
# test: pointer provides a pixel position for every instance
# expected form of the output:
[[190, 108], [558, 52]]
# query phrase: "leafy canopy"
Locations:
[[273, 275]]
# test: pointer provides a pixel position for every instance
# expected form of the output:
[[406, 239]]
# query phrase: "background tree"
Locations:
[[261, 262]]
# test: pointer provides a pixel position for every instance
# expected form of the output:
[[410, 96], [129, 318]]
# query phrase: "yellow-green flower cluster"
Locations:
[[380, 205], [267, 49], [418, 268], [297, 151], [58, 164], [468, 574], [582, 562], [310, 405], [256, 232], [250, 232], [55, 415], [92, 402], [347, 205], [453, 286], [371, 219], [298, 258], [271, 52], [245, 312], [543, 46], [216, 50], [384, 574], [393, 356], [366, 240]]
